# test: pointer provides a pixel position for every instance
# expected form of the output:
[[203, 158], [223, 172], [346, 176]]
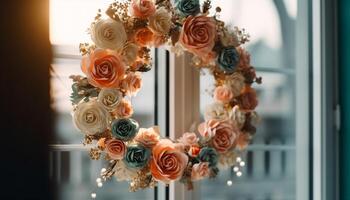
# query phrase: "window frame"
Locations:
[[316, 45]]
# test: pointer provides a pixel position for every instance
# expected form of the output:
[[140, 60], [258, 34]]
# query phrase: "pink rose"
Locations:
[[142, 8], [115, 148], [207, 129], [200, 171], [188, 139], [148, 136], [221, 132], [124, 109], [223, 94], [198, 35], [132, 83], [168, 163]]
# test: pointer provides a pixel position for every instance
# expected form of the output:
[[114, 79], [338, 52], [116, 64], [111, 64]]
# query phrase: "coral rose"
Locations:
[[103, 68], [143, 36], [248, 99], [167, 163], [148, 136], [198, 35], [115, 148], [132, 83], [124, 109], [200, 170], [223, 94], [142, 8]]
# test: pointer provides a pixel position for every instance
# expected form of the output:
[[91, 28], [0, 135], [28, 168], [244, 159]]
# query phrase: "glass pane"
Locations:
[[73, 171], [269, 173], [271, 25]]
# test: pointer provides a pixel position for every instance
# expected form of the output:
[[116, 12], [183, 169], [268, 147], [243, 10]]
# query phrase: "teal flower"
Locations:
[[188, 7], [124, 129], [208, 154], [137, 156], [228, 59]]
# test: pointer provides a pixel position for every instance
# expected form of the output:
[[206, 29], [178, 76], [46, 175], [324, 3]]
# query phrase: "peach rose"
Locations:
[[124, 109], [115, 148], [198, 35], [223, 94], [143, 36], [248, 98], [132, 83], [103, 68], [167, 163], [225, 136], [200, 171], [142, 8], [221, 132], [148, 136], [188, 139]]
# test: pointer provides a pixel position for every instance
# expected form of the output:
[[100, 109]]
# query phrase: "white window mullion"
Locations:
[[184, 110]]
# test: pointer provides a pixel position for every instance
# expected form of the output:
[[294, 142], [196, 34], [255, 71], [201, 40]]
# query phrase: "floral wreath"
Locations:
[[113, 64]]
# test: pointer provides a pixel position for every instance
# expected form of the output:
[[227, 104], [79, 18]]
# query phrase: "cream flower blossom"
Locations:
[[200, 171], [236, 83], [188, 139], [237, 116], [123, 173], [91, 117], [110, 98], [226, 160], [129, 53], [160, 22], [148, 136], [215, 111], [108, 34]]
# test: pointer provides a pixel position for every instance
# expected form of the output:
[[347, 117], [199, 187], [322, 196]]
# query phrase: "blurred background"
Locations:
[[270, 170], [300, 48]]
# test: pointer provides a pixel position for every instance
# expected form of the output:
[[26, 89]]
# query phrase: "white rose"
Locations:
[[237, 116], [91, 117], [160, 22], [108, 34], [110, 98], [215, 111], [122, 173], [130, 52], [236, 83]]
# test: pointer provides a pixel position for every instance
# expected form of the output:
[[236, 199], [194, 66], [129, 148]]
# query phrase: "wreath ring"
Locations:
[[113, 64]]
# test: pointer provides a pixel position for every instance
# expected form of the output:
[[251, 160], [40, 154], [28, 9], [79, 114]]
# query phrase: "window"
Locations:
[[277, 161], [270, 160], [71, 168]]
